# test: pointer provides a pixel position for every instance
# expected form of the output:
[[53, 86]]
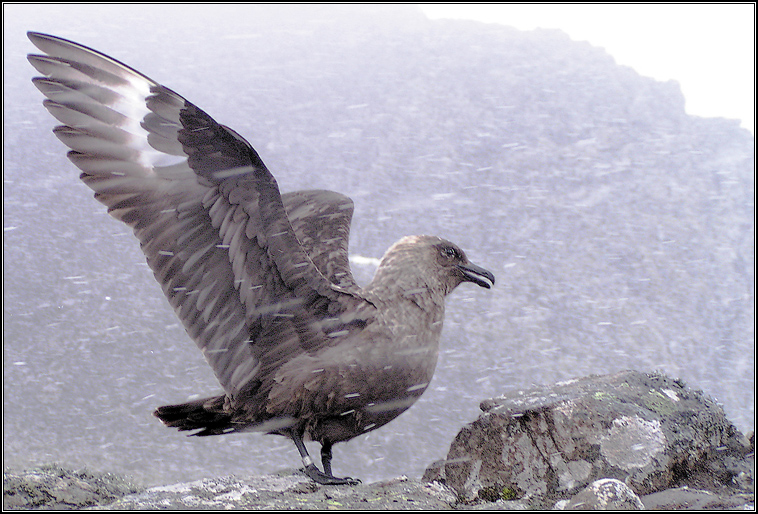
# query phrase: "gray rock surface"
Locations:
[[684, 498], [605, 494], [647, 430], [289, 491], [54, 487]]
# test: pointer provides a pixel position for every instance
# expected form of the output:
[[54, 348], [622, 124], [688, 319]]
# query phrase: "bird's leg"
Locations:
[[326, 456], [312, 471]]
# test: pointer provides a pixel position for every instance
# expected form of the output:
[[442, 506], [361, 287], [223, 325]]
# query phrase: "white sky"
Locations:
[[708, 48]]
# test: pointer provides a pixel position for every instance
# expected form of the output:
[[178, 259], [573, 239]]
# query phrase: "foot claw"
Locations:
[[319, 477]]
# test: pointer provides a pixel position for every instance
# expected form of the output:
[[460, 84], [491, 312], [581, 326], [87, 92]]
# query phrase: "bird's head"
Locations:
[[433, 262]]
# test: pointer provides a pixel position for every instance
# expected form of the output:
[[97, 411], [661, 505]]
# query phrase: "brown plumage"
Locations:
[[260, 280]]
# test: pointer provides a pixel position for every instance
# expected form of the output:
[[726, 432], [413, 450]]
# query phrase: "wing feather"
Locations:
[[321, 220], [208, 214]]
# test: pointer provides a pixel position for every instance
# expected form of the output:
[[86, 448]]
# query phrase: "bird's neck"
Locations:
[[412, 312], [408, 300], [394, 285]]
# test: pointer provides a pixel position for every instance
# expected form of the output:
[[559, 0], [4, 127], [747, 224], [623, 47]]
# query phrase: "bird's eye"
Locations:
[[449, 252]]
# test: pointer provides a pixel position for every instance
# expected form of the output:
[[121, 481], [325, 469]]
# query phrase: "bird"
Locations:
[[260, 280]]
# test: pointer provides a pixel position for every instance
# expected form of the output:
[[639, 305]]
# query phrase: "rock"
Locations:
[[54, 487], [290, 490], [684, 498], [605, 494], [548, 443], [57, 488]]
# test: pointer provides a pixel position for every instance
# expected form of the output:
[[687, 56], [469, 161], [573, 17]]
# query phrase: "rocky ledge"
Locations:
[[624, 441]]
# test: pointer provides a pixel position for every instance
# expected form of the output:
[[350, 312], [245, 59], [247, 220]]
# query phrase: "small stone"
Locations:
[[605, 494]]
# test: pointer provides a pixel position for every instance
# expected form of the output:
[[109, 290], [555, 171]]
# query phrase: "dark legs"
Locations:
[[326, 457], [325, 478]]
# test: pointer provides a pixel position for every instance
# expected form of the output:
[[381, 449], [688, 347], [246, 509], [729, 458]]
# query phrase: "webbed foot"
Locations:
[[322, 478]]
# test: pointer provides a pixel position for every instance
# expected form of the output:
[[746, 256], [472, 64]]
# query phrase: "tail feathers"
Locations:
[[206, 415]]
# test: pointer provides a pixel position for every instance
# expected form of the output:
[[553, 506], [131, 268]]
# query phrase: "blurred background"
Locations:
[[619, 223]]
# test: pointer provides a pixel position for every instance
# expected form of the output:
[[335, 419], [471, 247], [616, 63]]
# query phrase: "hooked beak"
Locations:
[[472, 273]]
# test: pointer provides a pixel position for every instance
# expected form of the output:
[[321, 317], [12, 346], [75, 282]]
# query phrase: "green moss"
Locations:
[[602, 396], [659, 403], [495, 493], [508, 494]]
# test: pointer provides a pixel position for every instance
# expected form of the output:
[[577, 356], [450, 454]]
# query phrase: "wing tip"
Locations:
[[40, 38]]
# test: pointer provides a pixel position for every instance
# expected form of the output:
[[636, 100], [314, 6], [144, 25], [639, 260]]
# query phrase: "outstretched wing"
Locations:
[[206, 210], [321, 221]]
